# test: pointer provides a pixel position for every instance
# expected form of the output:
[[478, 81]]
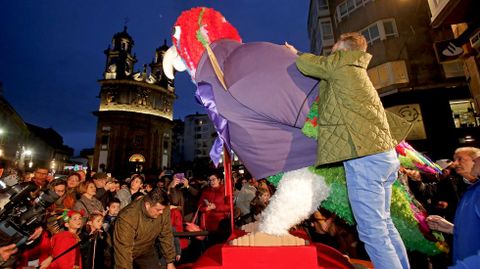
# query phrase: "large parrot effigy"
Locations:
[[264, 110]]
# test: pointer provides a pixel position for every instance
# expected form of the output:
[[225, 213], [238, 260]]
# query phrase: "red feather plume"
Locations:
[[214, 25]]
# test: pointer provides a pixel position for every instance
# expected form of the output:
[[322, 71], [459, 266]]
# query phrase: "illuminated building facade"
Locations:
[[25, 146], [434, 96], [134, 128]]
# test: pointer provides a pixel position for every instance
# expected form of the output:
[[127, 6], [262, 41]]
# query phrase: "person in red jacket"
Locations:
[[63, 241], [215, 207]]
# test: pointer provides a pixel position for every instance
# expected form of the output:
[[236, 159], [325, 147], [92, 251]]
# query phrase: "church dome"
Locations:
[[123, 35], [122, 41]]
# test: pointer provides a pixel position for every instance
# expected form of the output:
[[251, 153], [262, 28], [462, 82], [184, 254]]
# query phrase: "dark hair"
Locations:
[[150, 183], [92, 217], [75, 174], [137, 195], [57, 182], [100, 176], [114, 200], [238, 184], [133, 177], [156, 196], [217, 175], [43, 167]]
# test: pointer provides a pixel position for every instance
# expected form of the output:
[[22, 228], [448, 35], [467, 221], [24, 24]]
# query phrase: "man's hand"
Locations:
[[46, 262], [174, 183], [211, 206], [439, 224], [36, 234], [7, 251], [413, 174], [291, 48], [170, 266]]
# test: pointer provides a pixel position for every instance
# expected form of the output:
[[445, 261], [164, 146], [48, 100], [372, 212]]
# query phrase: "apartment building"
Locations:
[[433, 95]]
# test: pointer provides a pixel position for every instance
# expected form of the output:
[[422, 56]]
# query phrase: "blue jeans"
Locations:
[[369, 184]]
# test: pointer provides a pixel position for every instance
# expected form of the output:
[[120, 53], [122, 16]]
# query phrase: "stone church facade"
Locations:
[[134, 127]]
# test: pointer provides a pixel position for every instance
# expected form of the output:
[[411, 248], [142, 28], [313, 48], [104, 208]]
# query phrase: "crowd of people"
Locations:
[[96, 219], [100, 222]]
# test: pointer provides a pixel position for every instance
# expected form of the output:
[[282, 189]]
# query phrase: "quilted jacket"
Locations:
[[352, 121]]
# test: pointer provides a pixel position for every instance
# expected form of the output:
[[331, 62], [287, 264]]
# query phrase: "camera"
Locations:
[[22, 214]]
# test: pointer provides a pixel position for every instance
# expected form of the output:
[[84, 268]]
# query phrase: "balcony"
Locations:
[[388, 74]]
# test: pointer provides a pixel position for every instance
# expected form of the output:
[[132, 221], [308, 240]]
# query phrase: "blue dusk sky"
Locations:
[[52, 51]]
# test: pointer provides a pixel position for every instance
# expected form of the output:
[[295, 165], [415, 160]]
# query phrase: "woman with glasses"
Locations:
[[214, 205]]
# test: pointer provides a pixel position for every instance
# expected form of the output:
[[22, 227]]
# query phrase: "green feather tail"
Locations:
[[401, 212]]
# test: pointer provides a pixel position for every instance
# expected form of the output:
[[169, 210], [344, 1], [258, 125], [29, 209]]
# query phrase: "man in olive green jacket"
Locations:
[[137, 227], [353, 128]]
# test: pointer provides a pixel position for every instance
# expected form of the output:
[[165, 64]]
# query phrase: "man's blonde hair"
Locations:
[[471, 151], [353, 41]]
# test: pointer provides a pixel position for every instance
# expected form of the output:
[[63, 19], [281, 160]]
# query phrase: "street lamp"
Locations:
[[53, 166], [29, 154]]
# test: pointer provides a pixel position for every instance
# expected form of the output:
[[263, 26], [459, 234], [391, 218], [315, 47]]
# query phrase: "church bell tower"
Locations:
[[134, 127]]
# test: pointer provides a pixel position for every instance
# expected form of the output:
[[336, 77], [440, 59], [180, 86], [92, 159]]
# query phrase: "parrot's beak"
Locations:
[[171, 62]]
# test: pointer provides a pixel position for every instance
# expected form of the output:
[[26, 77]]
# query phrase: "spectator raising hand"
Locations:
[[7, 251]]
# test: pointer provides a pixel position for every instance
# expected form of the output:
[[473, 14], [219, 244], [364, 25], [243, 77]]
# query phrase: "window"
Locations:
[[342, 10], [464, 114], [322, 4], [327, 32], [348, 7], [380, 30], [371, 33], [104, 141], [124, 46], [390, 28]]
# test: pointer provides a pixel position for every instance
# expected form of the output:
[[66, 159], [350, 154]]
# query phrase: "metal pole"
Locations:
[[227, 166]]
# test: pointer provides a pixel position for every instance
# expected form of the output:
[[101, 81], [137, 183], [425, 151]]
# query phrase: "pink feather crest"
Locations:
[[210, 22], [420, 161]]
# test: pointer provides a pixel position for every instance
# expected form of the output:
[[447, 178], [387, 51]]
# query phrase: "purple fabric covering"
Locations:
[[205, 97], [266, 105]]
